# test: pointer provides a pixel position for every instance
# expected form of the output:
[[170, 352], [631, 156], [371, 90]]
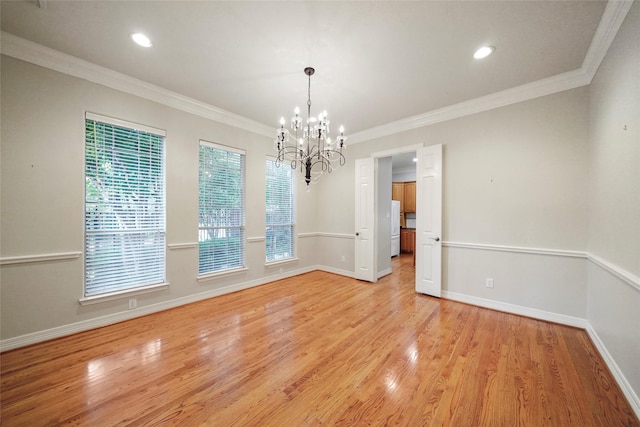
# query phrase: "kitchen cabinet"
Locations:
[[397, 193], [404, 240], [409, 198], [408, 240]]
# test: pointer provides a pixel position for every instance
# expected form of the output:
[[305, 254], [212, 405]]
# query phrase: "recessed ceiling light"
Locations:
[[141, 39], [415, 159], [483, 52]]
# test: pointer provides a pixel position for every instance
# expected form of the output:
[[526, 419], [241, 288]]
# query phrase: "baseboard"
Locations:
[[57, 332], [517, 309], [384, 272], [339, 271], [626, 388], [85, 325]]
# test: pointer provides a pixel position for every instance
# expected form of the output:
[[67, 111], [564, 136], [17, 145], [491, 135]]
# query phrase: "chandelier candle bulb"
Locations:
[[296, 122], [315, 157]]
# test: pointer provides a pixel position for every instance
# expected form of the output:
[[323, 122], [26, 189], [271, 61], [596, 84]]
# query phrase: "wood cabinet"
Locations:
[[405, 193], [404, 240], [397, 193], [408, 240], [409, 196]]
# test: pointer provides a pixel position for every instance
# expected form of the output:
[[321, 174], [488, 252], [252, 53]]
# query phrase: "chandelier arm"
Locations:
[[341, 158], [318, 148]]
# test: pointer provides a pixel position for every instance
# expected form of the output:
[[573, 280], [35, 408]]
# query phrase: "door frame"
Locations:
[[379, 155]]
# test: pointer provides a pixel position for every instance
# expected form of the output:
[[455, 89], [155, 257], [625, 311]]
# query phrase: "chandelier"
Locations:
[[309, 147]]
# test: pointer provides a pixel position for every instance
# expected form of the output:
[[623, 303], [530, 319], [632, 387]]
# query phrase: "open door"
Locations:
[[364, 221], [429, 220]]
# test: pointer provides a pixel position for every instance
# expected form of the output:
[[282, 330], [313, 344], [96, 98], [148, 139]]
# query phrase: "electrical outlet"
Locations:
[[489, 283], [133, 303], [343, 259]]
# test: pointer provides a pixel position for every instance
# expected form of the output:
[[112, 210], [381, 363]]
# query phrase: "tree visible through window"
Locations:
[[221, 209], [280, 215], [124, 206]]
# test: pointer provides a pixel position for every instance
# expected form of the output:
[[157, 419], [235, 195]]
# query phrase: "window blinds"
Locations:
[[221, 209], [280, 214], [124, 206]]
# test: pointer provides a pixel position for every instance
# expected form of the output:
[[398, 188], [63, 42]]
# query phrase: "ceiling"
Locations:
[[403, 162], [376, 62]]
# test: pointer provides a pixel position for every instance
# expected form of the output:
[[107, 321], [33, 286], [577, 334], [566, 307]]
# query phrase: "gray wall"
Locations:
[[614, 200], [555, 176], [42, 200], [514, 176], [383, 197]]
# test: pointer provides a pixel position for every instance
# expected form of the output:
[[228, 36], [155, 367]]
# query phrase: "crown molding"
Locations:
[[25, 50], [558, 83], [612, 18], [610, 23]]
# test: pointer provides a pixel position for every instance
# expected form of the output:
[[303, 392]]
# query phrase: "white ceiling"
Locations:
[[403, 162], [376, 62]]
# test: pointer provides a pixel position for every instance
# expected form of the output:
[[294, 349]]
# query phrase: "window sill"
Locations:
[[96, 299], [280, 262], [211, 276]]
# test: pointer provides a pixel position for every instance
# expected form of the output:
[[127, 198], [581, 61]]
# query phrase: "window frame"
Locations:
[[161, 231], [210, 274], [293, 216]]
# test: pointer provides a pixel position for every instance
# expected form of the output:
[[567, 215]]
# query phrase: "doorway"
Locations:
[[428, 214], [398, 163]]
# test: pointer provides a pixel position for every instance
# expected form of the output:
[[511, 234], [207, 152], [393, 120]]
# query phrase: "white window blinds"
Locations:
[[124, 206], [221, 209], [280, 215]]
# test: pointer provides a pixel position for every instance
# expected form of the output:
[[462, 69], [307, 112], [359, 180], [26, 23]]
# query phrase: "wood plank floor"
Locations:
[[317, 349]]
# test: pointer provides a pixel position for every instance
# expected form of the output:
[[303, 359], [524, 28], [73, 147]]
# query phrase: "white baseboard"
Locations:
[[339, 271], [517, 309], [384, 272], [626, 388], [85, 325], [57, 332]]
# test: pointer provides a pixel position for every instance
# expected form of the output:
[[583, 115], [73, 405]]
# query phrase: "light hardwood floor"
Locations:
[[317, 349]]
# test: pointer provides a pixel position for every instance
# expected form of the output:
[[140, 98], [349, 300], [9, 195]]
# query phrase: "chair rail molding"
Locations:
[[27, 259], [515, 249]]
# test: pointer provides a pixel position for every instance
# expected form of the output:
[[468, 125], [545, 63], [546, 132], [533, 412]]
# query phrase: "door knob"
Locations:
[[437, 239], [357, 234]]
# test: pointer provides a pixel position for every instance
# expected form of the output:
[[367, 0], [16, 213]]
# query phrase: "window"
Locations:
[[221, 209], [280, 215], [124, 206]]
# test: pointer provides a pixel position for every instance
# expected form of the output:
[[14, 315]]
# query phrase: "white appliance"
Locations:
[[395, 228]]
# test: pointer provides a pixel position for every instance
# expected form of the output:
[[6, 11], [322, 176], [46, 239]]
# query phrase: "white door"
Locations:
[[429, 220], [364, 213]]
